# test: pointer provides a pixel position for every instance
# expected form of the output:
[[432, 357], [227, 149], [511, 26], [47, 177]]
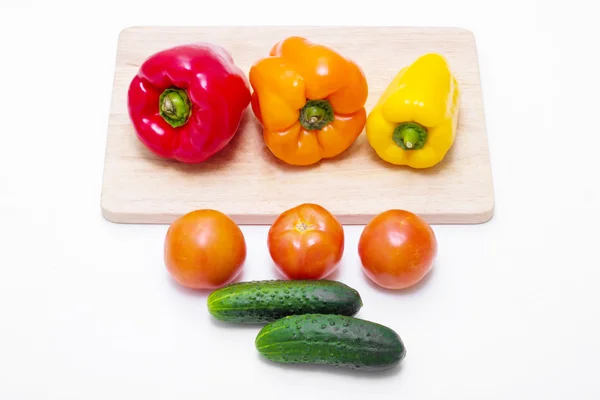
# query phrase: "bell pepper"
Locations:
[[186, 102], [309, 99], [414, 122]]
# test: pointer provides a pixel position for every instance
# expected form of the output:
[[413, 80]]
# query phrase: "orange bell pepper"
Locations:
[[309, 99]]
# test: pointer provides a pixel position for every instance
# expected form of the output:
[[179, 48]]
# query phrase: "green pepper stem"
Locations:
[[316, 114], [410, 136], [174, 106]]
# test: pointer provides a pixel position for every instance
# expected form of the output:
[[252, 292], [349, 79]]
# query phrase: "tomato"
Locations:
[[397, 249], [204, 249], [306, 242]]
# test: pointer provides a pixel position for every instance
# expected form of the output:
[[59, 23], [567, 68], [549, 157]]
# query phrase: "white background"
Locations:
[[87, 310]]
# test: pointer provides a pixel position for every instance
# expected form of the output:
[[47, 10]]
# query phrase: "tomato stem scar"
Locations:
[[302, 226]]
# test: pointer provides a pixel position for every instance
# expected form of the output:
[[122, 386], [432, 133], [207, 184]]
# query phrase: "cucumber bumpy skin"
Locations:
[[258, 302], [337, 340]]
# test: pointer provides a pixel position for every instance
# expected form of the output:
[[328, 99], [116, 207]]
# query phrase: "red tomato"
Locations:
[[204, 249], [397, 249], [306, 242]]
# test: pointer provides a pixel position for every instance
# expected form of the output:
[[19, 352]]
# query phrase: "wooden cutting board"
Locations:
[[246, 182]]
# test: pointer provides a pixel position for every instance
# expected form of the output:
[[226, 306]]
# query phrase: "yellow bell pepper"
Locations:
[[414, 122]]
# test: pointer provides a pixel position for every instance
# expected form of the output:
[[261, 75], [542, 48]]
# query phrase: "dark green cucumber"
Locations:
[[266, 301], [337, 340]]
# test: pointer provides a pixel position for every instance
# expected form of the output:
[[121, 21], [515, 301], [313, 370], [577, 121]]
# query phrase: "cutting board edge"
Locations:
[[447, 218], [450, 28]]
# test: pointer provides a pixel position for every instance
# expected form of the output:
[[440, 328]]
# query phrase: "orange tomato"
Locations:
[[306, 242], [397, 249], [204, 249]]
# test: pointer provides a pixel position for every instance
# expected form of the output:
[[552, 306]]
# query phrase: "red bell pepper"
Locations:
[[186, 102]]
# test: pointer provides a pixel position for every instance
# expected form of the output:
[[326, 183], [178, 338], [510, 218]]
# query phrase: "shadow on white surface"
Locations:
[[403, 292], [390, 373], [203, 293], [228, 325], [187, 291], [333, 276]]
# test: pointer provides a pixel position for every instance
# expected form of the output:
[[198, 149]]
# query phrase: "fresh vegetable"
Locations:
[[204, 249], [397, 249], [186, 102], [306, 242], [266, 301], [337, 340], [414, 122], [309, 99]]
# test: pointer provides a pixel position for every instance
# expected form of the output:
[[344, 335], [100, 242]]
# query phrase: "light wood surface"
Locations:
[[246, 182]]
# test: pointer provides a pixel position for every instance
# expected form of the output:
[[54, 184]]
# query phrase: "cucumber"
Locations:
[[336, 340], [258, 302]]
